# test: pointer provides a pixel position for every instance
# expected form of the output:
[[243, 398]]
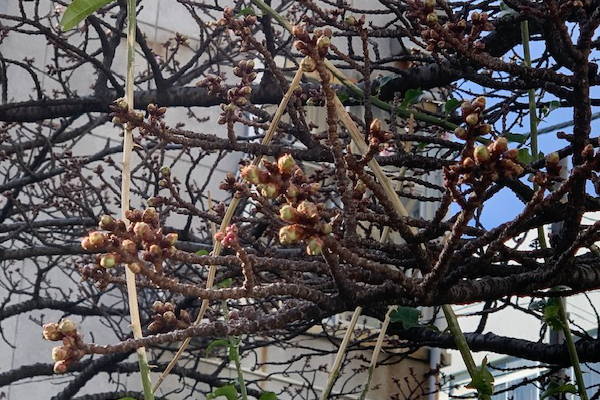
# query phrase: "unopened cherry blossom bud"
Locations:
[[375, 126], [60, 367], [288, 213], [107, 222], [135, 268], [326, 228], [323, 43], [108, 261], [51, 332], [165, 171], [308, 64], [432, 18], [553, 158], [511, 154], [150, 215], [170, 317], [429, 4], [142, 230], [60, 353], [292, 191], [472, 119], [290, 234], [481, 154], [314, 246], [252, 174], [129, 246], [269, 190], [97, 239], [171, 238], [66, 326], [286, 164], [499, 146], [308, 209], [479, 102], [468, 162], [155, 250]]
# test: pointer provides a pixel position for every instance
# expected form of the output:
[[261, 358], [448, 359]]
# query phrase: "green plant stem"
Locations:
[[461, 344], [235, 343], [533, 122]]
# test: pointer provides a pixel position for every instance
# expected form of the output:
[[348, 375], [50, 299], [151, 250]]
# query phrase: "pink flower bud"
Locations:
[[60, 367], [60, 353]]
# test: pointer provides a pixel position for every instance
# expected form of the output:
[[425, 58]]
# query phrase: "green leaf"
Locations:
[[228, 391], [451, 105], [343, 96], [407, 316], [551, 314], [268, 396], [516, 137], [216, 343], [554, 388], [482, 380], [225, 283], [411, 97], [202, 252], [549, 107], [79, 10], [234, 354], [524, 156], [246, 11]]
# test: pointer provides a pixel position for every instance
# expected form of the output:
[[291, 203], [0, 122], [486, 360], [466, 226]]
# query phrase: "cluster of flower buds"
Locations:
[[436, 34], [377, 135], [229, 238], [166, 318], [213, 83], [240, 26], [240, 95], [283, 178], [70, 351], [553, 164], [355, 22], [305, 225], [120, 108], [155, 112], [489, 162], [122, 244], [472, 114], [305, 43]]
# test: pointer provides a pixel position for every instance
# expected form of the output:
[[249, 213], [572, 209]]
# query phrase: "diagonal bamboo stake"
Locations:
[[134, 311], [335, 369], [376, 351], [217, 248]]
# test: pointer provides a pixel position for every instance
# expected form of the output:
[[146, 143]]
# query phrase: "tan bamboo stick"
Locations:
[[217, 247]]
